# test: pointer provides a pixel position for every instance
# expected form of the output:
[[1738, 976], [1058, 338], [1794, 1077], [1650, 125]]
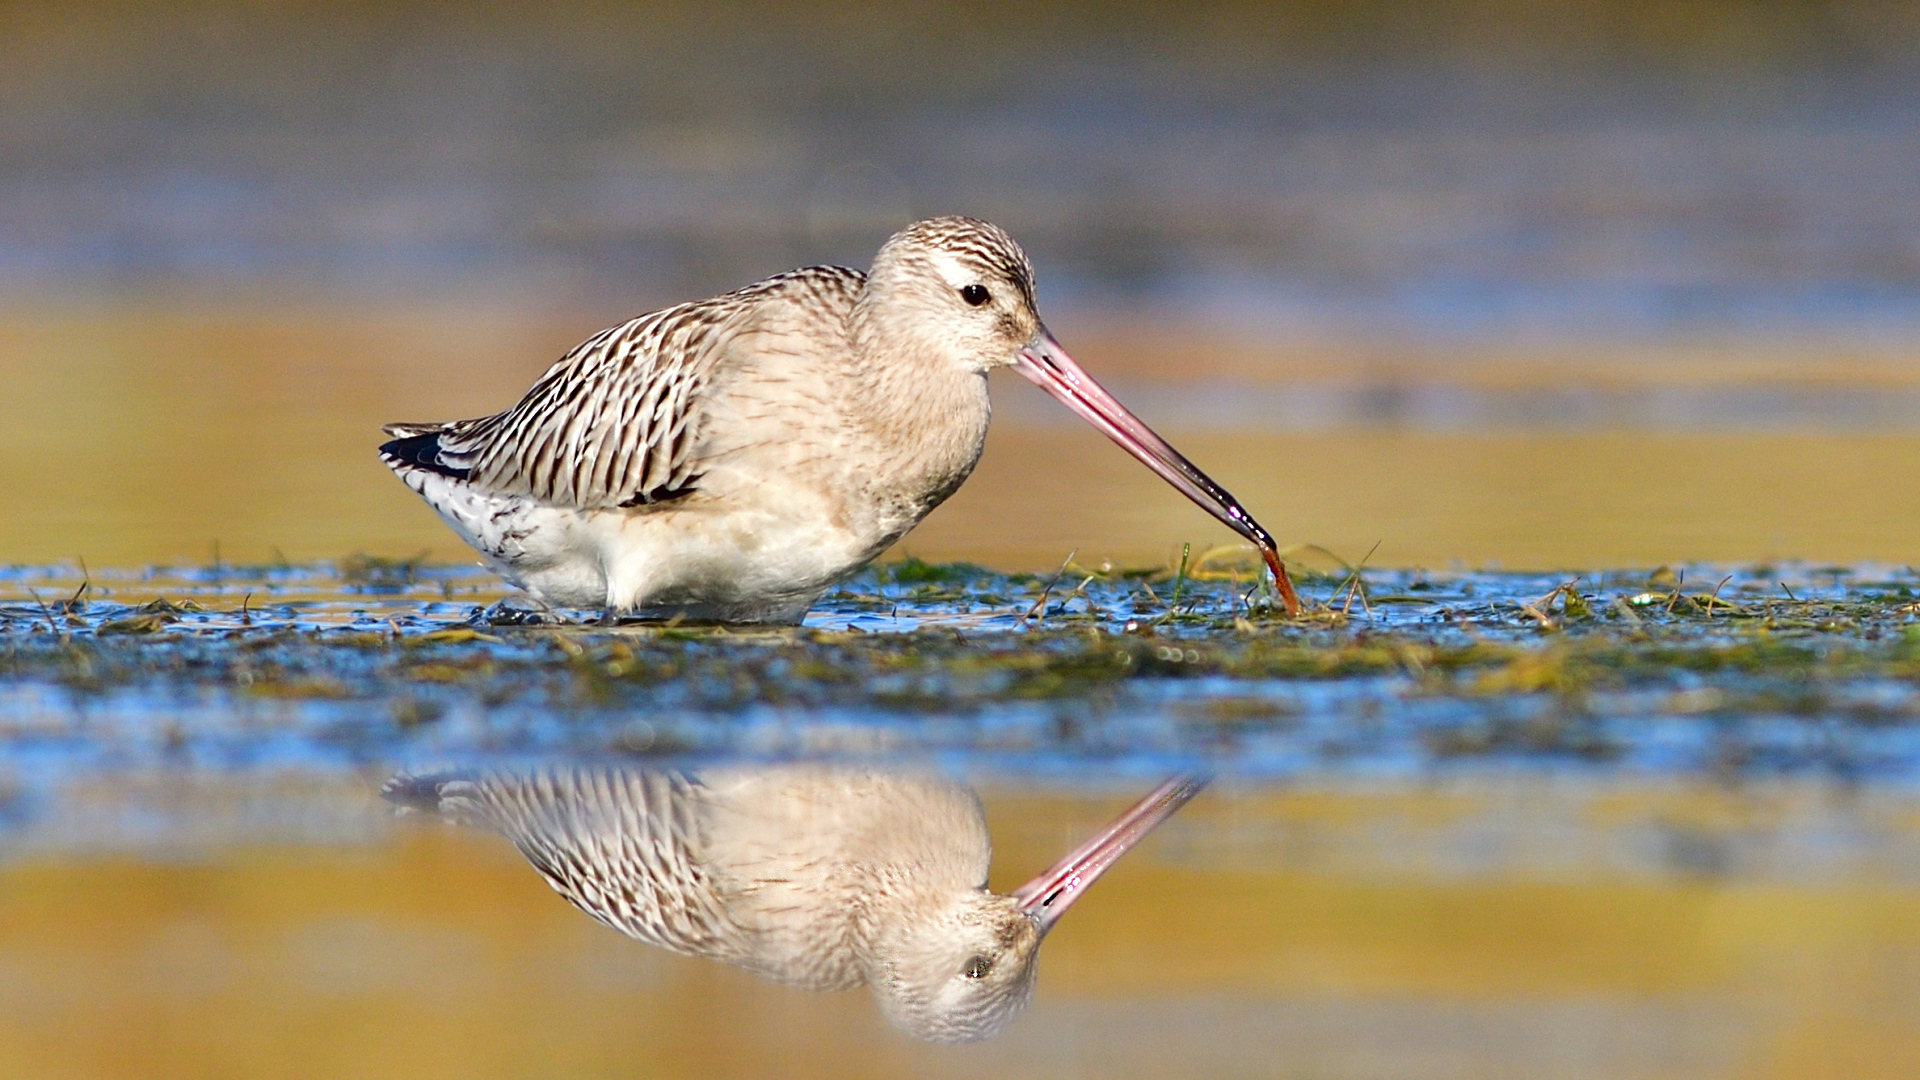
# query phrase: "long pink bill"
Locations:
[[1048, 896], [1051, 369]]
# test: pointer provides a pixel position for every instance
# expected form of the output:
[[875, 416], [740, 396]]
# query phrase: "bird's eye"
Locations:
[[977, 967], [975, 294]]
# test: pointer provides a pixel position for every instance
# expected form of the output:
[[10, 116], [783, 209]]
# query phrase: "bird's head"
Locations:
[[954, 292], [963, 974], [959, 288], [961, 967]]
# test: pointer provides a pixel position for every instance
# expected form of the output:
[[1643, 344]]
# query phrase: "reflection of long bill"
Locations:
[[1051, 369], [1047, 896]]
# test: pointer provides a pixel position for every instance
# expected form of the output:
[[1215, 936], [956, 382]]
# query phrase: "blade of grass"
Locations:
[[1353, 584], [1039, 606], [1180, 575]]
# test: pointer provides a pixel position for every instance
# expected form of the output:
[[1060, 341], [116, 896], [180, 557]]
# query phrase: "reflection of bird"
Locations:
[[819, 878], [732, 458]]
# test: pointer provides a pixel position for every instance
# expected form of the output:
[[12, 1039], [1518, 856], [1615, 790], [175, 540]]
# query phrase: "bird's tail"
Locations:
[[421, 450]]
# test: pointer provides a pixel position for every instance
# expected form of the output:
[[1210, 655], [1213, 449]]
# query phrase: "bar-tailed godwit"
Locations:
[[819, 878], [731, 459]]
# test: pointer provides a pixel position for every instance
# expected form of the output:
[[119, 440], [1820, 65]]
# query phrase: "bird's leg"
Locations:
[[505, 612]]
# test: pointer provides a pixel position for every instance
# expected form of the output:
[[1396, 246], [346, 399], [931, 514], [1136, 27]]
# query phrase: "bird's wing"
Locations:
[[622, 845], [617, 421]]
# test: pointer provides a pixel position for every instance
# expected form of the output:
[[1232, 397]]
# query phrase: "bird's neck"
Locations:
[[924, 412]]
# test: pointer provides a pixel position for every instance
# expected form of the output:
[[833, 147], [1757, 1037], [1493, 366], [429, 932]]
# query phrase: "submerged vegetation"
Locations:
[[1761, 670]]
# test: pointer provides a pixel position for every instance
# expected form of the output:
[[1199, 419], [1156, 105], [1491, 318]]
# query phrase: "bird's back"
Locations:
[[623, 419]]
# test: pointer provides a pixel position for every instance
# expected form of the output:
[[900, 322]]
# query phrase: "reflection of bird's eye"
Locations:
[[975, 294], [977, 968]]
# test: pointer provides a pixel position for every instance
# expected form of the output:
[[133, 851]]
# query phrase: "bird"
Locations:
[[815, 876], [729, 460]]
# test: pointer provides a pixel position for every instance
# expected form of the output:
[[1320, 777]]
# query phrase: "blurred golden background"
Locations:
[[1540, 286]]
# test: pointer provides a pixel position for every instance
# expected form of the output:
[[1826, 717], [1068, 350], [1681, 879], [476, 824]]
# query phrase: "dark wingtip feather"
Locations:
[[420, 451]]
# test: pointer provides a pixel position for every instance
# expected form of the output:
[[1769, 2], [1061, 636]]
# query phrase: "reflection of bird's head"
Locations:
[[960, 974]]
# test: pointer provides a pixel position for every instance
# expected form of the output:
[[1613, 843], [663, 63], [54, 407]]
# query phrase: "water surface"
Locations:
[[1506, 929], [1468, 824]]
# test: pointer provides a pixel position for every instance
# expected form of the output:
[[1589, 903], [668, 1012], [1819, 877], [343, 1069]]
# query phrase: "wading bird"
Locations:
[[818, 878], [730, 459]]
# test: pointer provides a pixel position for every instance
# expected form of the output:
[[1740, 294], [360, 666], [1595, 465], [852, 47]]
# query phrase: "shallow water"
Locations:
[[1461, 830], [1759, 670], [285, 927]]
